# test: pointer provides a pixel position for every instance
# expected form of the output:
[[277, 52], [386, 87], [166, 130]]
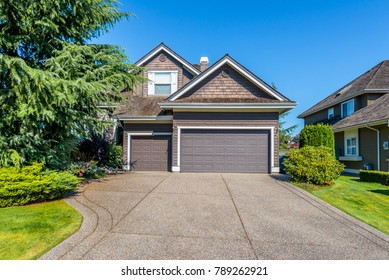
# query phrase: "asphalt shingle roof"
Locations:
[[375, 112], [377, 78]]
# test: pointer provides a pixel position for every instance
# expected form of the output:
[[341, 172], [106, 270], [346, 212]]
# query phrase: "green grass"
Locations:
[[368, 202], [27, 232]]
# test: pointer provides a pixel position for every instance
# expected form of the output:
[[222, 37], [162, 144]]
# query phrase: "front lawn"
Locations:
[[27, 232], [368, 202]]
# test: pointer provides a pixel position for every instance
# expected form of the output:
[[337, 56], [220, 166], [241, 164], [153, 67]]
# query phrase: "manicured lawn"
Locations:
[[368, 202], [27, 232]]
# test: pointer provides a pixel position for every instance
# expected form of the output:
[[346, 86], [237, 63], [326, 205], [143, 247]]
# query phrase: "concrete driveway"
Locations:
[[212, 216]]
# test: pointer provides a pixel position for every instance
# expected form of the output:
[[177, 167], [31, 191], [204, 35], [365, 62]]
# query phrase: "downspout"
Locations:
[[378, 147]]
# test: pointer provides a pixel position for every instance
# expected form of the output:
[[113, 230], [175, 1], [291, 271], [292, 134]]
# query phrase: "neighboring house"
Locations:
[[359, 115], [195, 118]]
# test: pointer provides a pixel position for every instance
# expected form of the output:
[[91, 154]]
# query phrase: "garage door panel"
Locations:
[[150, 153], [225, 151]]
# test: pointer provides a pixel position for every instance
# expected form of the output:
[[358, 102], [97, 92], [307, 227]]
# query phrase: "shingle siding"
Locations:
[[233, 85], [155, 64]]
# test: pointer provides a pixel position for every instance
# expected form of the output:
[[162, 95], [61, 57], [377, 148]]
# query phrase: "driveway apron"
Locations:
[[158, 215]]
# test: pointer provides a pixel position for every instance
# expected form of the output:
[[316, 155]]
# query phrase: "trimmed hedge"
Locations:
[[313, 165], [318, 135], [374, 176], [30, 185]]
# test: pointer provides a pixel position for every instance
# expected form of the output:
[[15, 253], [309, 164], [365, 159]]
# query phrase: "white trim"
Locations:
[[341, 107], [352, 171], [175, 169], [131, 134], [147, 118], [328, 113], [271, 128], [350, 158], [275, 170], [151, 81], [249, 76], [228, 105], [187, 65], [350, 134]]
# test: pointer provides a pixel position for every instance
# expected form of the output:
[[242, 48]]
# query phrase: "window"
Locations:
[[351, 143], [347, 108], [162, 82], [351, 146], [330, 113]]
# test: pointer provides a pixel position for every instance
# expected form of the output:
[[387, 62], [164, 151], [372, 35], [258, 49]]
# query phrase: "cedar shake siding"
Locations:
[[221, 85], [225, 119], [168, 64]]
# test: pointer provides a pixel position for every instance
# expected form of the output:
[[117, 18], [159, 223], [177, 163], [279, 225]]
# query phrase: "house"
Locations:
[[359, 116], [200, 118]]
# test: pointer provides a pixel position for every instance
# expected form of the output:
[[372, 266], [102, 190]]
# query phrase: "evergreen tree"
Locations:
[[51, 79]]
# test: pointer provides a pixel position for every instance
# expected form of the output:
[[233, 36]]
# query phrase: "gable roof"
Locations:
[[375, 112], [374, 80], [227, 59], [165, 48]]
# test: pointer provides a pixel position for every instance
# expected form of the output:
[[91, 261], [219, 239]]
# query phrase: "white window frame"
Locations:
[[349, 135], [353, 106], [331, 113], [173, 81]]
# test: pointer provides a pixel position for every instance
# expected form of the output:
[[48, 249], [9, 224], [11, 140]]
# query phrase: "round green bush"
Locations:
[[318, 135], [313, 165]]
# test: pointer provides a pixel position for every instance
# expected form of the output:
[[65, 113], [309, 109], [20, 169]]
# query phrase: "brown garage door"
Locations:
[[225, 151], [150, 153]]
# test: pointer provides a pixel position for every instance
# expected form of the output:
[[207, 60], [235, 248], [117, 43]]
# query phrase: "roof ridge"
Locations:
[[373, 76]]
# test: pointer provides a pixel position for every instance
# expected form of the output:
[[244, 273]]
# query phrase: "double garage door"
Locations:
[[204, 150], [224, 151]]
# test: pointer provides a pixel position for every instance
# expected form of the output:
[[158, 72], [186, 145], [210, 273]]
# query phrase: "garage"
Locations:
[[207, 150], [150, 153]]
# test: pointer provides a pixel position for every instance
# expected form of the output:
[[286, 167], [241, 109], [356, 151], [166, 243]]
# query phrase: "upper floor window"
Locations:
[[162, 82], [330, 113], [347, 108]]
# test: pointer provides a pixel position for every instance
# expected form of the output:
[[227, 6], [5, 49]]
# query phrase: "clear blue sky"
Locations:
[[308, 49]]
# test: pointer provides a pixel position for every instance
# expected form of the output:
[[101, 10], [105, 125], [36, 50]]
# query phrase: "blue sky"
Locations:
[[308, 49]]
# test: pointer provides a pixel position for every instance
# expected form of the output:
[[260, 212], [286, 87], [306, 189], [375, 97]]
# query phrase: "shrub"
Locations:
[[87, 170], [313, 165], [114, 157], [374, 176], [30, 184], [318, 135]]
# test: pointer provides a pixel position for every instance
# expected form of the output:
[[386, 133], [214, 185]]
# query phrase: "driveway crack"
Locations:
[[240, 218]]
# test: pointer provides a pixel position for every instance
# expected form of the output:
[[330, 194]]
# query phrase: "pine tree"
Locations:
[[51, 79]]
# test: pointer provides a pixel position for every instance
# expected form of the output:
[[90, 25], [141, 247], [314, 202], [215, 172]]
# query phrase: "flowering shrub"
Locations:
[[87, 170]]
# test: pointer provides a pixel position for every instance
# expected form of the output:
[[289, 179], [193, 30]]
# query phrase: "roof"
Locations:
[[375, 112], [165, 48], [374, 80], [238, 67], [137, 106]]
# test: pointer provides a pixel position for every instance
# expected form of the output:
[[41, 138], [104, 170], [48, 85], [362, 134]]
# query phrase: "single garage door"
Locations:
[[225, 151], [150, 153]]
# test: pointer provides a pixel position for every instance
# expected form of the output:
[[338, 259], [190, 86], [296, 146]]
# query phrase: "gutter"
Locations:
[[378, 147]]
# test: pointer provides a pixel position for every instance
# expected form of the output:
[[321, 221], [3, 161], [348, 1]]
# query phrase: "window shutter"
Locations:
[[174, 76], [150, 87]]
